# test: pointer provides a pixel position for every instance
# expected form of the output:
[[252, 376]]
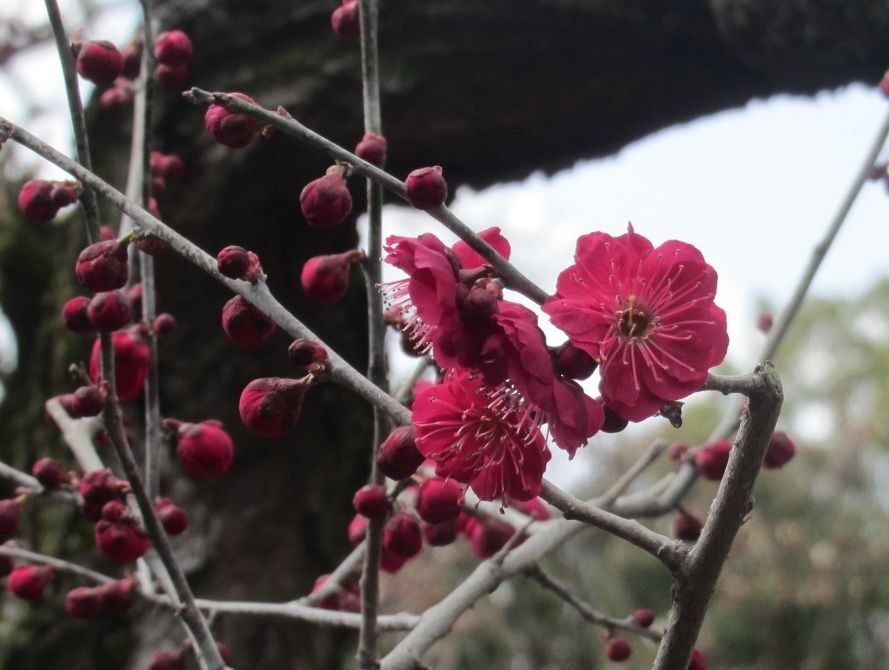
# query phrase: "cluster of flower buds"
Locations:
[[345, 598], [172, 52], [165, 168], [114, 597], [40, 200], [132, 358], [117, 533], [205, 449], [88, 400], [711, 459], [51, 474]]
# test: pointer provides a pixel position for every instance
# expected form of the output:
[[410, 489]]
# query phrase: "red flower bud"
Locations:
[[10, 518], [765, 321], [174, 520], [309, 355], [109, 310], [232, 129], [164, 324], [643, 617], [84, 602], [118, 595], [205, 449], [687, 527], [346, 20], [106, 233], [40, 200], [99, 62], [618, 649], [357, 529], [781, 450], [237, 263], [28, 582], [426, 188], [398, 457], [89, 401], [172, 48], [166, 166], [132, 59], [676, 451], [170, 76], [150, 244], [439, 500], [98, 488], [698, 661], [50, 473], [535, 508], [440, 534], [245, 325], [372, 148], [330, 602], [391, 562], [614, 422], [135, 296], [711, 459], [371, 501], [572, 362], [402, 536], [271, 406], [166, 660], [103, 266], [325, 279], [74, 315], [122, 541], [115, 510], [131, 359], [326, 201], [116, 99], [488, 537]]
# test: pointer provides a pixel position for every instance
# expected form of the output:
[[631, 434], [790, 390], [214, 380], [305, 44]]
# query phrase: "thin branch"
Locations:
[[286, 124], [57, 563], [669, 552], [316, 615], [726, 384], [587, 611], [648, 457], [695, 583]]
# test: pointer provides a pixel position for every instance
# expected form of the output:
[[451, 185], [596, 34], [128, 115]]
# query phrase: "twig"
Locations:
[[57, 563], [586, 610], [77, 434], [316, 615], [694, 584], [669, 552], [508, 272]]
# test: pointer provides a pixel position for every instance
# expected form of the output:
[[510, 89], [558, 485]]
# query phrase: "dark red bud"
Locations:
[[426, 188], [116, 99], [10, 518], [83, 602], [167, 660], [75, 317], [29, 582], [150, 244], [489, 536], [106, 233], [98, 488], [245, 325], [698, 661], [50, 473], [173, 519], [357, 529], [534, 508], [40, 200], [109, 310], [231, 129], [325, 279], [237, 263], [89, 401], [170, 76], [131, 360], [326, 201], [572, 362], [271, 406], [398, 457], [711, 459], [371, 501], [687, 527], [614, 422], [118, 595], [309, 355], [346, 21], [164, 324], [132, 59], [103, 266], [122, 541], [618, 649], [205, 449], [372, 148], [172, 48], [643, 617], [781, 450], [329, 602], [135, 296], [440, 534], [439, 500], [99, 62], [392, 562], [402, 535], [167, 166]]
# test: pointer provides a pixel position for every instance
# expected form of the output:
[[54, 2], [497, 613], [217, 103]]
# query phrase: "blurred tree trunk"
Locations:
[[491, 91]]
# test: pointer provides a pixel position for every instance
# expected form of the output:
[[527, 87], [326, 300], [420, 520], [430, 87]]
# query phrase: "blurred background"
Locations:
[[734, 126]]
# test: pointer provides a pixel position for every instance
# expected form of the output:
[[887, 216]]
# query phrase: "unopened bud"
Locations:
[[109, 310], [372, 148], [245, 325], [346, 20], [99, 62], [40, 200], [426, 188], [230, 128], [103, 266], [325, 279], [326, 201], [271, 406]]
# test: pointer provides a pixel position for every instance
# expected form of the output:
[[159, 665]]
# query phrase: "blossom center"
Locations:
[[634, 321]]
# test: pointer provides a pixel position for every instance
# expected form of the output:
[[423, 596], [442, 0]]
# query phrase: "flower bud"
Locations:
[[326, 201], [764, 322], [109, 310], [166, 166], [106, 233], [391, 562], [150, 244], [173, 519], [135, 296], [346, 20], [398, 457], [698, 661], [132, 59], [426, 188], [10, 518], [614, 422], [781, 450], [439, 500], [534, 508], [271, 406], [50, 473], [172, 48], [440, 534], [115, 510], [29, 582], [572, 362], [643, 617], [402, 536], [84, 602], [118, 596], [489, 536], [618, 649], [164, 324], [330, 602], [711, 459], [89, 401], [308, 355], [245, 325], [237, 263], [687, 527], [122, 541], [98, 488], [371, 501], [131, 360], [103, 266], [40, 200], [204, 449], [325, 279], [357, 529], [230, 128], [167, 660], [170, 76], [677, 450], [99, 62], [117, 99], [74, 315], [372, 148]]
